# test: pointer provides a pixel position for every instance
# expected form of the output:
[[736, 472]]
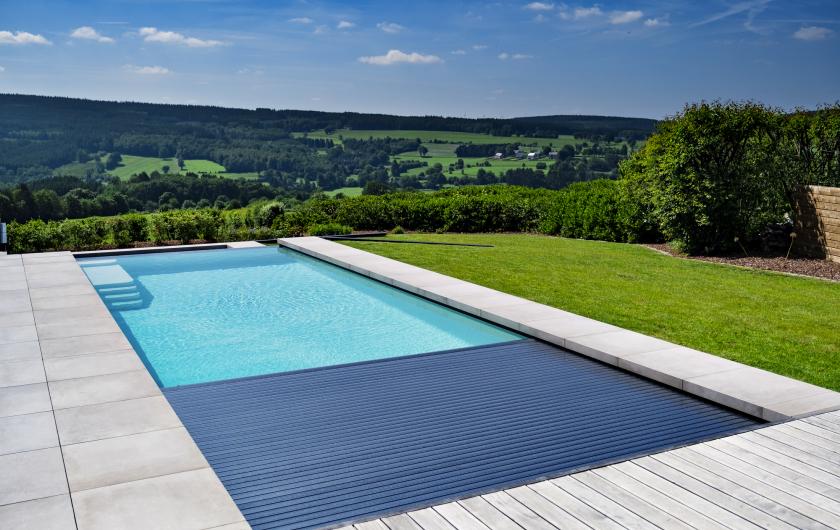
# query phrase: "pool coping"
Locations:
[[90, 441], [750, 390]]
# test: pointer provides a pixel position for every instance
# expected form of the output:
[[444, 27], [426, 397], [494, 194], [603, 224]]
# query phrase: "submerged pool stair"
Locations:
[[334, 445]]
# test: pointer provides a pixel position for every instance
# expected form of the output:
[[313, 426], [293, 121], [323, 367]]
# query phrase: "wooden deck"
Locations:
[[782, 476]]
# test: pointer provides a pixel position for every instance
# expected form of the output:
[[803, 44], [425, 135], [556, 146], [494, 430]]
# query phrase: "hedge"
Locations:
[[590, 210]]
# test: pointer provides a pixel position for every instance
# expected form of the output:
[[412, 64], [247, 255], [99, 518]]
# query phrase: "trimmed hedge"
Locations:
[[589, 210]]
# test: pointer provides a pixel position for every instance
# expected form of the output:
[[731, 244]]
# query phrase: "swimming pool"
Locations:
[[211, 315]]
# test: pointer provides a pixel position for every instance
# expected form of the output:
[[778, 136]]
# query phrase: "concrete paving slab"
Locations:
[[104, 462], [14, 334], [818, 401], [31, 475], [86, 326], [84, 345], [193, 500], [27, 432], [14, 373], [118, 418], [71, 315], [49, 513], [609, 347], [20, 351], [563, 326], [78, 302], [234, 526], [64, 290], [514, 316], [22, 318], [15, 301], [83, 391], [673, 366], [94, 364], [24, 399], [51, 279]]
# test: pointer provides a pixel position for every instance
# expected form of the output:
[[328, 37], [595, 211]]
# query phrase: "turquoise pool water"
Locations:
[[201, 316]]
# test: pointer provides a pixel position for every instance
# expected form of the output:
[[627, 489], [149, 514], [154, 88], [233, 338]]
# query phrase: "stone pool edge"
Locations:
[[750, 390]]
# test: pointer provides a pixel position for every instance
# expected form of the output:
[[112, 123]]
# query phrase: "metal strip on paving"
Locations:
[[327, 446]]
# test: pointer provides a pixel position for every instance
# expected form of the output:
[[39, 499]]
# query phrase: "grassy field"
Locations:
[[455, 138], [780, 323], [348, 192], [131, 165], [496, 166]]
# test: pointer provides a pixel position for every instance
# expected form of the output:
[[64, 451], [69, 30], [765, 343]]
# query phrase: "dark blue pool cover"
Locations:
[[327, 446]]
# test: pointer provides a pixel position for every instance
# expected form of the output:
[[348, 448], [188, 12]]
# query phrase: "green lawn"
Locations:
[[445, 136], [496, 166], [131, 165], [348, 192], [785, 324]]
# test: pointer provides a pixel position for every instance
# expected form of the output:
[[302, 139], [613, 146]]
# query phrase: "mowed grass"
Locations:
[[496, 166], [347, 192], [785, 324], [132, 165]]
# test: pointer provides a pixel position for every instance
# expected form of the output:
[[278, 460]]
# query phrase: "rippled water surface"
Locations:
[[210, 315]]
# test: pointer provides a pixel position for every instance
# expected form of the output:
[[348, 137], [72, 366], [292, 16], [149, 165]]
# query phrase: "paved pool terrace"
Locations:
[[88, 441]]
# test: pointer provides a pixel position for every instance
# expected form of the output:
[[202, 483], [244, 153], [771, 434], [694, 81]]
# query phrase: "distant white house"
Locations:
[[533, 155], [498, 156]]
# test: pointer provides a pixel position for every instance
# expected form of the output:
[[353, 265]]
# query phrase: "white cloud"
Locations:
[[625, 17], [504, 56], [171, 37], [539, 6], [2, 69], [321, 29], [812, 33], [586, 12], [345, 24], [458, 52], [479, 47], [88, 33], [390, 27], [660, 22], [22, 37], [396, 57], [735, 9], [147, 70], [301, 20]]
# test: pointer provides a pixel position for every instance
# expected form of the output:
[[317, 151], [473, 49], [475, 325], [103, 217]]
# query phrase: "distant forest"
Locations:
[[40, 137]]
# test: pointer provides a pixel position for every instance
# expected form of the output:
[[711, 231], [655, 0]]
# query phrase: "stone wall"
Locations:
[[818, 222]]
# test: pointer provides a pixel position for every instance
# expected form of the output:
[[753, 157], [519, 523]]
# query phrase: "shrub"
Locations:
[[329, 229], [398, 230]]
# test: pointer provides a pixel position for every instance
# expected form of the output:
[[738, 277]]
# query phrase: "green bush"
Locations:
[[329, 229], [591, 210]]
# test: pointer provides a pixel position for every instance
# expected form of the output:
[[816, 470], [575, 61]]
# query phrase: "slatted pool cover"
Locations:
[[326, 446]]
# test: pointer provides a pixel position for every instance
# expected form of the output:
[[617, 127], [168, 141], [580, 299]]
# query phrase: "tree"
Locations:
[[113, 161], [422, 151], [165, 169], [373, 187]]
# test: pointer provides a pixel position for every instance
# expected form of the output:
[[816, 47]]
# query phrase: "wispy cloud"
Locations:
[[479, 47], [147, 70], [22, 37], [170, 37], [625, 17], [586, 12], [504, 56], [458, 52], [345, 24], [539, 6], [397, 57], [659, 22], [301, 20], [321, 29], [735, 9], [390, 27], [88, 33], [2, 69], [812, 33]]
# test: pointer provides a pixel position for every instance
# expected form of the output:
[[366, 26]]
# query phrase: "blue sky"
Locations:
[[630, 58]]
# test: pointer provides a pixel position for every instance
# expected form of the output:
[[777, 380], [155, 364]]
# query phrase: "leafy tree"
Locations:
[[422, 151]]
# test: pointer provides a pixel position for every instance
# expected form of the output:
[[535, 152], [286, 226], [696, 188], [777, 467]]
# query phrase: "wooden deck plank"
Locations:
[[815, 430], [772, 488], [808, 457], [666, 487], [631, 502], [371, 525], [802, 439], [824, 423], [671, 506], [401, 522], [430, 520], [545, 508], [459, 517], [574, 506], [760, 509], [605, 505], [488, 514], [524, 516]]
